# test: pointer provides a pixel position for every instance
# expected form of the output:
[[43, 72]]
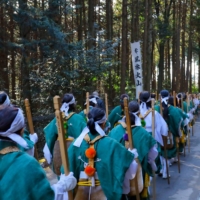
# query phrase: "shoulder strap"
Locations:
[[88, 140], [70, 115], [9, 149], [123, 124], [142, 117]]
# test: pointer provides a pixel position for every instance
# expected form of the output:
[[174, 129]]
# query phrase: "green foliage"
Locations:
[[195, 88], [166, 84]]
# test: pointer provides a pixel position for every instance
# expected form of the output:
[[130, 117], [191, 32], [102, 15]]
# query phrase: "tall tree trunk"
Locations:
[[174, 50], [189, 54], [12, 64], [91, 20], [149, 46], [25, 61], [145, 40], [4, 80], [169, 63], [183, 86], [124, 45], [161, 65], [178, 77]]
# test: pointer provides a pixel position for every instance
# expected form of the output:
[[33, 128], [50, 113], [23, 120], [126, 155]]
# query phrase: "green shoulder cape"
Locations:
[[111, 166], [75, 125], [21, 177], [115, 115]]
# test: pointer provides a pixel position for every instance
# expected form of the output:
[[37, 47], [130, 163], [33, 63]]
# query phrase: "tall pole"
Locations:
[[61, 135]]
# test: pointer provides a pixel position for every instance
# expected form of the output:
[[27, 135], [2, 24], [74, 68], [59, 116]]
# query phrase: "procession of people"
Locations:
[[112, 155]]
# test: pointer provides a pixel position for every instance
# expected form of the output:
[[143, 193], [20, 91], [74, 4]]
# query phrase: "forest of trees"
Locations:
[[50, 47]]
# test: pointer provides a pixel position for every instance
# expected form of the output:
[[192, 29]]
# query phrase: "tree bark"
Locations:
[[124, 47]]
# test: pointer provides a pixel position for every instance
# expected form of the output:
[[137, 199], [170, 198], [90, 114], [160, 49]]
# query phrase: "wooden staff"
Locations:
[[188, 130], [139, 97], [153, 134], [61, 135], [130, 140], [87, 103], [30, 124], [182, 111], [106, 101], [165, 145], [174, 95]]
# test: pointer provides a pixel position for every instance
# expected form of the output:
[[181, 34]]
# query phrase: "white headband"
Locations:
[[94, 100], [6, 102], [164, 99], [65, 106], [16, 125], [86, 130]]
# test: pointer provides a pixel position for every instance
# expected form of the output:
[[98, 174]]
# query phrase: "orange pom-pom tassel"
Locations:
[[90, 153], [90, 170]]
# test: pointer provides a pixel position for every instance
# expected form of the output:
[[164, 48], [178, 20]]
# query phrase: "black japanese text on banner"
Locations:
[[137, 67]]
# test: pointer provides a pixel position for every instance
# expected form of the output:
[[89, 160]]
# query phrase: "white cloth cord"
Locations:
[[164, 99], [143, 108], [86, 130], [65, 106], [137, 119], [79, 140], [47, 153], [16, 125], [94, 100], [6, 102], [161, 127]]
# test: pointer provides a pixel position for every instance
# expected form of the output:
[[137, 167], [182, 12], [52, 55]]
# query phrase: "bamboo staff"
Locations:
[[87, 103], [153, 134], [61, 135], [165, 143], [106, 101], [30, 124], [188, 130], [130, 140]]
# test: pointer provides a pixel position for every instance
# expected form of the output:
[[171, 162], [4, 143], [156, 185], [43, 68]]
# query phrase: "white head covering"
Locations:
[[96, 94], [65, 106], [6, 102], [94, 100], [86, 130], [164, 99], [17, 124]]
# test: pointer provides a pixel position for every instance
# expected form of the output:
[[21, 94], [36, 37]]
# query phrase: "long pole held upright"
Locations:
[[183, 111], [87, 103], [61, 135], [130, 140], [174, 95], [30, 124], [153, 134], [106, 101]]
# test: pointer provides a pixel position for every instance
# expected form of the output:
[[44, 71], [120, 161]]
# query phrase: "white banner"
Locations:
[[137, 67]]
